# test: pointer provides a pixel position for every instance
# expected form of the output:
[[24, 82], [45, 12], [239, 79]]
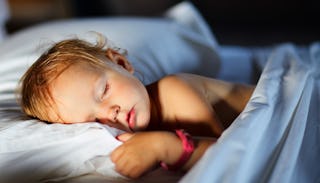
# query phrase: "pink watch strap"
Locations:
[[188, 148]]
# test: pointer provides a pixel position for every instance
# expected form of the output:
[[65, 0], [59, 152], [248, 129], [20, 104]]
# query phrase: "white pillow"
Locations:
[[180, 42]]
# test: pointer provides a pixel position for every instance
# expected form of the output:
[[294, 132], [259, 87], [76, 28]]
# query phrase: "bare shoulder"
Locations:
[[184, 103], [202, 85], [183, 80], [182, 89], [178, 86], [189, 97], [210, 88], [184, 84]]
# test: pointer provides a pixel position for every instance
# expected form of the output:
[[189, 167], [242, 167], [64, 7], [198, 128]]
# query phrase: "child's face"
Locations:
[[111, 96]]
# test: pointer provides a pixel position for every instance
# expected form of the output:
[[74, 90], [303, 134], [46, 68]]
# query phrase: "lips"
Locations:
[[131, 118]]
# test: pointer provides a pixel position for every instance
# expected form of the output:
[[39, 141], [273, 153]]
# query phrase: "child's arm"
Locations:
[[142, 151]]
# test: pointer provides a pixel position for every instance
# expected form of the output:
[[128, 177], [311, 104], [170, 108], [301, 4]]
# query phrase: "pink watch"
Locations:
[[188, 148]]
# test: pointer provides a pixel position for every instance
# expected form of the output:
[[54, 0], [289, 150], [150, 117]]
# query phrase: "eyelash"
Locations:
[[106, 88]]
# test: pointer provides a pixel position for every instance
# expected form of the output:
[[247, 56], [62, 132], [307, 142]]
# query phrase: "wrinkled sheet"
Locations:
[[277, 137]]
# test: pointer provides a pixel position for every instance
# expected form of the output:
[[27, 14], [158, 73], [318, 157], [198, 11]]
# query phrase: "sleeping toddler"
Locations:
[[170, 122]]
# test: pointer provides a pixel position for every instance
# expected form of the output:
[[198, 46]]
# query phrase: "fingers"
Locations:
[[135, 156], [116, 154], [127, 163], [119, 151], [129, 167], [124, 137]]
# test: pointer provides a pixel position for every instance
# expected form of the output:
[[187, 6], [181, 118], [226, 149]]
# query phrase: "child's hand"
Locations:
[[142, 151]]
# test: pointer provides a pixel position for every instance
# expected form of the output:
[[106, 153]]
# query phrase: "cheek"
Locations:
[[145, 119], [130, 88]]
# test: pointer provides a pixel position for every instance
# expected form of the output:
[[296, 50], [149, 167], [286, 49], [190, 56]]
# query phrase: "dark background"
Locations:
[[240, 22]]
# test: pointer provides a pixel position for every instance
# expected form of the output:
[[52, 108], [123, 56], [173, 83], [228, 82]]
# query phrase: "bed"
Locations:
[[275, 139]]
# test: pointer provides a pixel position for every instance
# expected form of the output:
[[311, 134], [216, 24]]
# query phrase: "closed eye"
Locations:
[[106, 88]]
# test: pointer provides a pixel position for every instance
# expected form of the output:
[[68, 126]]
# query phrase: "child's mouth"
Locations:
[[131, 118]]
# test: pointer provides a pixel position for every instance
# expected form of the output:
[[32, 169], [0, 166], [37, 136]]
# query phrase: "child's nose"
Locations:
[[107, 116], [114, 113]]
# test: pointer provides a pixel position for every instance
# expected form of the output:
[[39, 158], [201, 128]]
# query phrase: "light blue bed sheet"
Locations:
[[277, 137]]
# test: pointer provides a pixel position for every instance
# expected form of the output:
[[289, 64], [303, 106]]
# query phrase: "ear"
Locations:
[[119, 59]]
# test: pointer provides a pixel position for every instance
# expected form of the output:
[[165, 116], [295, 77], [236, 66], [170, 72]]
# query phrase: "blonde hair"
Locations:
[[34, 93]]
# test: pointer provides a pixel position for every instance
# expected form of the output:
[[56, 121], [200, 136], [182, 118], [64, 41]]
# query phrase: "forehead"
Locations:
[[85, 68], [72, 92]]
